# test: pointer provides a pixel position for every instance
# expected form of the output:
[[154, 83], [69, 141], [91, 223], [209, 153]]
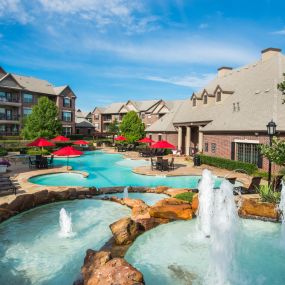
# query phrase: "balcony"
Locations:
[[9, 118], [10, 102], [9, 133]]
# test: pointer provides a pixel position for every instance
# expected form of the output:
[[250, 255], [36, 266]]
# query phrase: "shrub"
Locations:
[[76, 137], [38, 151], [187, 196], [3, 151], [5, 162], [228, 164], [268, 195]]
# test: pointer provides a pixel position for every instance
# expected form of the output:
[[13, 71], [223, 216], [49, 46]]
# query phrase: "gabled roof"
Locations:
[[10, 81], [113, 108], [100, 109], [83, 123], [58, 90]]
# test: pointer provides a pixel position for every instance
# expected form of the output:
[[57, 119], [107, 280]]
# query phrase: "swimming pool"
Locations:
[[110, 170]]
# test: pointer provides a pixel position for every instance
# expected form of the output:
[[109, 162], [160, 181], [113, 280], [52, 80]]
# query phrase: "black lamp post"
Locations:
[[271, 131]]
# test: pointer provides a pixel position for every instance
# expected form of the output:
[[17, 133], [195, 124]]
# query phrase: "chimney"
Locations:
[[269, 53], [222, 71]]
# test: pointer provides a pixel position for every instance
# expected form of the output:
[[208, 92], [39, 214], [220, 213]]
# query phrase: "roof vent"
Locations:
[[222, 71], [269, 53]]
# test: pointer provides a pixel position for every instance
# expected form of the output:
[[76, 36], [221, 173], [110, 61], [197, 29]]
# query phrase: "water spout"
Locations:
[[206, 199], [65, 224], [126, 192], [282, 210], [224, 224]]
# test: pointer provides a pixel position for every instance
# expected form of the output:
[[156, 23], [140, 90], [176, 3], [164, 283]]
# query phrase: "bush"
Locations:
[[38, 151], [227, 163], [3, 151], [187, 196], [262, 174], [76, 137], [268, 195]]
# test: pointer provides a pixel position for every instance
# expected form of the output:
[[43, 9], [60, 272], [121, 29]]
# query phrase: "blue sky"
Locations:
[[115, 50]]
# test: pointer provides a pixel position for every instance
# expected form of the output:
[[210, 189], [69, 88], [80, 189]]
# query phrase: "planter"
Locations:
[[3, 168]]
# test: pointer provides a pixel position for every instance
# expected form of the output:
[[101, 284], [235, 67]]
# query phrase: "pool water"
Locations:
[[184, 255], [107, 170]]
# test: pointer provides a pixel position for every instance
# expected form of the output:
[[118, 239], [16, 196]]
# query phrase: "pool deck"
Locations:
[[21, 173]]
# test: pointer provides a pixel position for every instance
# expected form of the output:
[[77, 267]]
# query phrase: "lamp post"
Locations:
[[271, 131]]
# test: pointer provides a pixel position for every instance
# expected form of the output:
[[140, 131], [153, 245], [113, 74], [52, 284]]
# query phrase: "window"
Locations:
[[67, 116], [96, 116], [96, 126], [205, 99], [66, 131], [6, 97], [142, 115], [28, 98], [248, 152], [194, 102], [206, 147], [89, 131], [213, 147], [77, 131], [149, 116], [27, 111], [159, 138], [219, 96], [2, 129], [66, 102]]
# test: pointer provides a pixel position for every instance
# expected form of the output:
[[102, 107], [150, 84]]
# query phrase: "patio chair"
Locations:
[[32, 163], [7, 185], [164, 165], [152, 163], [171, 163], [50, 162], [277, 183], [159, 163], [252, 188]]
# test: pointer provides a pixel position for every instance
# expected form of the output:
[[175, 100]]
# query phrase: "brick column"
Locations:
[[188, 140], [179, 145], [200, 141]]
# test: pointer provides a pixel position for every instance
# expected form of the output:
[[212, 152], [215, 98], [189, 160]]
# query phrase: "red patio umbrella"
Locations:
[[60, 139], [163, 144], [146, 140], [67, 151], [40, 142], [120, 138], [81, 142]]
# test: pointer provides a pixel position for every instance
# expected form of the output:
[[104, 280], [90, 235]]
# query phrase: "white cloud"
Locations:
[[280, 32], [14, 10], [194, 81]]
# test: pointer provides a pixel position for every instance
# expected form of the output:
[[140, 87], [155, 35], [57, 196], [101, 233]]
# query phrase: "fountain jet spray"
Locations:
[[65, 223], [126, 192], [282, 209], [206, 199]]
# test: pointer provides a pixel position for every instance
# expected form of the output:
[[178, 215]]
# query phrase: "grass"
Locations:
[[187, 196]]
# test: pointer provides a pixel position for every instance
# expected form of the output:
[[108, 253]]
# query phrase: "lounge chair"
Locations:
[[32, 163], [252, 188], [277, 183], [6, 185]]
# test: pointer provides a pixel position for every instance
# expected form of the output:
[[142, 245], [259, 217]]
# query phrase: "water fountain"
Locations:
[[126, 192], [224, 224], [206, 199], [65, 223], [282, 209]]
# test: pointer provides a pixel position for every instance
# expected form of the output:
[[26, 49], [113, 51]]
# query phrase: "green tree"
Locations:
[[43, 121], [276, 152], [281, 87], [114, 127], [132, 127]]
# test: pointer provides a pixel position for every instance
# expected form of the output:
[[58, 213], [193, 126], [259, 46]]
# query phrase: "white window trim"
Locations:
[[246, 141]]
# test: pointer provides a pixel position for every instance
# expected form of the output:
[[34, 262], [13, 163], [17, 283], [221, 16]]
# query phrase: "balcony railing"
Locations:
[[9, 133], [9, 100], [6, 117]]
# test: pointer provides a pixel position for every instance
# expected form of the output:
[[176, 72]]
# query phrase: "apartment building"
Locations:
[[83, 123], [18, 94]]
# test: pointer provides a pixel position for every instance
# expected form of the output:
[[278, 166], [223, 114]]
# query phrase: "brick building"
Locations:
[[18, 94], [228, 117], [83, 124]]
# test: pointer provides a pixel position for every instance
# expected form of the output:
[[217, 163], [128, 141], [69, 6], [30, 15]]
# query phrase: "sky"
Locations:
[[115, 50]]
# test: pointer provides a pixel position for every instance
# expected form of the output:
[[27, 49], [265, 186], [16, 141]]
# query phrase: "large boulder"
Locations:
[[125, 231], [41, 197], [117, 271], [172, 209], [150, 223], [161, 189], [22, 203], [131, 203], [251, 207], [175, 191]]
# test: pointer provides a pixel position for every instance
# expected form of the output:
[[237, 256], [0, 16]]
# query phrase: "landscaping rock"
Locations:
[[161, 189], [150, 223], [22, 203], [175, 191], [125, 231], [195, 203], [140, 211], [133, 202], [171, 208], [41, 197], [253, 207]]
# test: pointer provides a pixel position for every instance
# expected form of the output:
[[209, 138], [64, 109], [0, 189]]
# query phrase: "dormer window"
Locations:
[[205, 99], [219, 97], [194, 102]]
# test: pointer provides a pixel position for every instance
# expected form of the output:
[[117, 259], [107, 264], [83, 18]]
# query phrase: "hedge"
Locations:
[[227, 163], [3, 151]]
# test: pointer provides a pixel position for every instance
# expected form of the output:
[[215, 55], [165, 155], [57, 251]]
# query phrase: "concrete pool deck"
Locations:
[[21, 174]]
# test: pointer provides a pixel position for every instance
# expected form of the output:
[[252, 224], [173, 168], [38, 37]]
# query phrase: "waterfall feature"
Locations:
[[206, 199], [126, 192], [65, 224], [224, 223], [282, 209]]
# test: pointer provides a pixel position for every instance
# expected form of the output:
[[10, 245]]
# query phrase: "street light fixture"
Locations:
[[271, 131]]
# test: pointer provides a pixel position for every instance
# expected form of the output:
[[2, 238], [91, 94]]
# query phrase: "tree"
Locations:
[[114, 127], [276, 152], [281, 87], [132, 127], [43, 121]]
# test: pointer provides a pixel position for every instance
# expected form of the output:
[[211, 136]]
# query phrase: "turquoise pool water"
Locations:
[[107, 170], [184, 255], [33, 252]]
